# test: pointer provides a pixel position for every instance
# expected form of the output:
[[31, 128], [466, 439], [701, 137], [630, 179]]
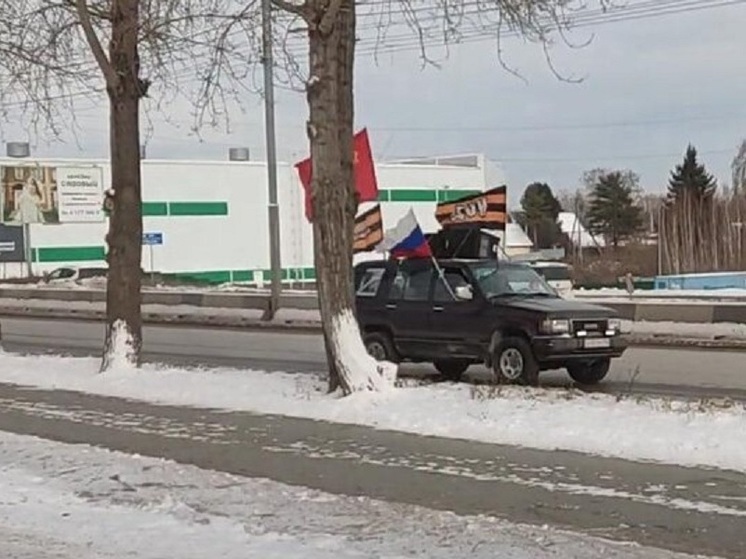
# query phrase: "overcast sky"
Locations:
[[650, 87]]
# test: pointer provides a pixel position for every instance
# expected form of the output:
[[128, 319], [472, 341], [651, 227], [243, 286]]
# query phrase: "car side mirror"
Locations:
[[464, 293]]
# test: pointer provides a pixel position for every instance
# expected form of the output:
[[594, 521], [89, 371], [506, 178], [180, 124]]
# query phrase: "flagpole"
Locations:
[[443, 278]]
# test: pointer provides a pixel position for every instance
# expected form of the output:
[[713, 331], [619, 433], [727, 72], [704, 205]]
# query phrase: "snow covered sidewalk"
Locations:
[[674, 432], [79, 502]]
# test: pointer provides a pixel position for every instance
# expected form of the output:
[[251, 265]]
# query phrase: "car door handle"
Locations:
[[391, 306], [438, 309]]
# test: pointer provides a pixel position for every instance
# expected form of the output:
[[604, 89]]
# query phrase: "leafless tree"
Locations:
[[53, 49], [703, 237], [55, 52], [738, 168], [332, 41]]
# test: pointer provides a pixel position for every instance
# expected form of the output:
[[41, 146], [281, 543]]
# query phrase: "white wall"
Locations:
[[238, 241]]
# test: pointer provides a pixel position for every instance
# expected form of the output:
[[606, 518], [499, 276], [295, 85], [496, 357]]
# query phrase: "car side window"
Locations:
[[455, 279], [417, 287], [397, 286], [370, 282], [411, 285]]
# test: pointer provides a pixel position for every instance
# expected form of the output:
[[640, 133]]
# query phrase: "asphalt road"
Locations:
[[684, 509], [682, 372]]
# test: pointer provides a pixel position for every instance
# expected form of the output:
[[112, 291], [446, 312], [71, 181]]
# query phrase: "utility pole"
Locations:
[[269, 125]]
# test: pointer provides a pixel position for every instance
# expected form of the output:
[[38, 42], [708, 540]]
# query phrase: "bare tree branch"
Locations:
[[95, 45]]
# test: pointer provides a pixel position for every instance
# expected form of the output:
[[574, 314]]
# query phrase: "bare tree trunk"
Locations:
[[124, 240], [330, 101]]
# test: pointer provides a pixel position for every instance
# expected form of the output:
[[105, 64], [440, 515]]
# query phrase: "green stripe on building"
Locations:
[[218, 208], [69, 254], [197, 208], [184, 209], [424, 195], [154, 209]]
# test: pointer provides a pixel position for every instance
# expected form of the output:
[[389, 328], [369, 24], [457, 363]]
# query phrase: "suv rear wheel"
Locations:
[[589, 372], [513, 363], [452, 369], [380, 347]]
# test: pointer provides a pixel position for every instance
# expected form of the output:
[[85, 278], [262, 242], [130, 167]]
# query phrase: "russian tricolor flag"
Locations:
[[406, 239]]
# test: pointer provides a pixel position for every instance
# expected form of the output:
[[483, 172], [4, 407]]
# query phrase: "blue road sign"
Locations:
[[152, 238]]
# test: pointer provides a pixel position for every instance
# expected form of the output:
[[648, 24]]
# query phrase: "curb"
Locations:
[[314, 327], [694, 311]]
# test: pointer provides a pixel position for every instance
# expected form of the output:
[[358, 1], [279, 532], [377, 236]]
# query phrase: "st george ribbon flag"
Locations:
[[406, 239]]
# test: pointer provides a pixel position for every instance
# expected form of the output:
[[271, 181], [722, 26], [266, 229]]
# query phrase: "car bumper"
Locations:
[[551, 348]]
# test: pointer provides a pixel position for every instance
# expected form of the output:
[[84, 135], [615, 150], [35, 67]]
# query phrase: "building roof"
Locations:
[[515, 237], [578, 234]]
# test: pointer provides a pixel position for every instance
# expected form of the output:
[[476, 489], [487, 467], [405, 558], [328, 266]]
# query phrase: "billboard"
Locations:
[[45, 194]]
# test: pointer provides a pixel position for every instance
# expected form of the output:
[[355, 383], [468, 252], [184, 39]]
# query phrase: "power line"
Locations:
[[622, 157], [640, 10], [501, 128]]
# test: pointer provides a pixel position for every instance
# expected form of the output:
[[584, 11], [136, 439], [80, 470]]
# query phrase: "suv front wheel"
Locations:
[[513, 363], [589, 372], [380, 347]]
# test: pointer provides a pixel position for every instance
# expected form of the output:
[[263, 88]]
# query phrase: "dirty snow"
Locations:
[[673, 432], [81, 502]]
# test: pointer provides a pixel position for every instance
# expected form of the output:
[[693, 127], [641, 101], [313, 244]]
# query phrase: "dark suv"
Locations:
[[480, 311]]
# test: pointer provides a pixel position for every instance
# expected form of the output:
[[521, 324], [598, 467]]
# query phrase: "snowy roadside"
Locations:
[[644, 429], [287, 318], [657, 295], [80, 502]]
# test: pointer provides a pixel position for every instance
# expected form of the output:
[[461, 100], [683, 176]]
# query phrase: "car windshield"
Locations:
[[500, 280]]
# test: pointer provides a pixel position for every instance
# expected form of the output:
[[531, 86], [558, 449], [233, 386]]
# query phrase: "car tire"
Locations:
[[589, 372], [380, 347], [513, 362], [452, 369]]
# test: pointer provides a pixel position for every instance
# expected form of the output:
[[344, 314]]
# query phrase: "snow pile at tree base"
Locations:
[[358, 369], [121, 353]]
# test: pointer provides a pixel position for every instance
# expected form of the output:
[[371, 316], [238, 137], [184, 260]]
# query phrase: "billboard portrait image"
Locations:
[[29, 194]]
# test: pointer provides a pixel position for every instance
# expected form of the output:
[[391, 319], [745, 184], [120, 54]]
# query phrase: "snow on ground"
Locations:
[[693, 330], [659, 295], [80, 502], [682, 329], [675, 432], [606, 293], [100, 284]]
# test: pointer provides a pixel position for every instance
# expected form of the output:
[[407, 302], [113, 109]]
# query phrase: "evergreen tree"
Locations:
[[613, 211], [690, 177], [539, 212]]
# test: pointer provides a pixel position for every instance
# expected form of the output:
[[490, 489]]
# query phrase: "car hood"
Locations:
[[558, 306]]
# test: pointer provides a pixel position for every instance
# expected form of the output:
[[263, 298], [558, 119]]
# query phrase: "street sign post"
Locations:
[[150, 240]]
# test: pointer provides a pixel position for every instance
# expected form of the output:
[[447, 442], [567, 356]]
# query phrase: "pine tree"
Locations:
[[539, 212], [690, 177], [613, 211]]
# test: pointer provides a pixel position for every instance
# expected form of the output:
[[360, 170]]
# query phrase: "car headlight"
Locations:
[[556, 326], [615, 325]]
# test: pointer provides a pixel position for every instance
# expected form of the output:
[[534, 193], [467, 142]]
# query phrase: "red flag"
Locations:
[[366, 183], [304, 173]]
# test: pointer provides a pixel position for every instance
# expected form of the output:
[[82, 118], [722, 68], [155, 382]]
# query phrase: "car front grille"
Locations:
[[592, 327]]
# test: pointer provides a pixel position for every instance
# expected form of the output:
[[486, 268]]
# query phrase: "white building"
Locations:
[[579, 236], [213, 214], [516, 240]]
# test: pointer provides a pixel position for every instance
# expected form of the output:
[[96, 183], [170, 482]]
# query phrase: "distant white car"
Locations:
[[73, 274], [556, 274]]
